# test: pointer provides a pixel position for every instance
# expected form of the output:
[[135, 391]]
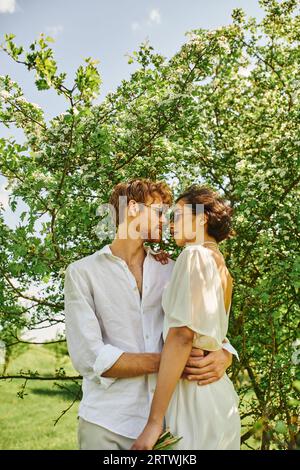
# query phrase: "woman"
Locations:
[[196, 303]]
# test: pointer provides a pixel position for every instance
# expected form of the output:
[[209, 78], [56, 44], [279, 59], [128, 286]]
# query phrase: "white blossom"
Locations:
[[5, 94]]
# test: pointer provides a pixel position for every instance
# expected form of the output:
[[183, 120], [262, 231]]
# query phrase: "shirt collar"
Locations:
[[106, 250]]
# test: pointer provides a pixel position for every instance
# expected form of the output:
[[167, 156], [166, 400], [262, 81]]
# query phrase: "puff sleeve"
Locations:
[[192, 298]]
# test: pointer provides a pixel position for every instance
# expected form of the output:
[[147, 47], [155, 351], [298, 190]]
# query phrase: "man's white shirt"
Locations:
[[105, 316]]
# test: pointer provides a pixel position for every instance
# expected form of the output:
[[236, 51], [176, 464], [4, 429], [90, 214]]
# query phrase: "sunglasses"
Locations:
[[160, 211]]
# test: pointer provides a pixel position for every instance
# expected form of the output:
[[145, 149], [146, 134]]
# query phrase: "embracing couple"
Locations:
[[148, 334]]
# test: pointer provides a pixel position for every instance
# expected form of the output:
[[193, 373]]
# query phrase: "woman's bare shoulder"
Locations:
[[221, 264]]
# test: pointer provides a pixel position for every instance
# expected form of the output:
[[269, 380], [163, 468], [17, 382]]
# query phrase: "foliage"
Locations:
[[224, 110]]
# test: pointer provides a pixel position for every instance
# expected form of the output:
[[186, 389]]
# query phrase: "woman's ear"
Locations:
[[201, 220]]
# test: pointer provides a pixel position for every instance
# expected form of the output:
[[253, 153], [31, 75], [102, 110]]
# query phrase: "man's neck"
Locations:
[[131, 251]]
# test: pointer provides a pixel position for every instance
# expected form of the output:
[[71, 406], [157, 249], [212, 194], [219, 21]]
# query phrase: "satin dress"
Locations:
[[207, 416]]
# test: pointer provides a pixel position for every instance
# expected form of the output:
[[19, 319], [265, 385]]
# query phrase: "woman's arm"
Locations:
[[176, 350]]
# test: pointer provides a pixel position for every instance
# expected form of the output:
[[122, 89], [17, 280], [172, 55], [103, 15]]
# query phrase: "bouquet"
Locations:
[[166, 440]]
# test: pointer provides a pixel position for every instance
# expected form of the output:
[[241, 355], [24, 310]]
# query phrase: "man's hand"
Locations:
[[206, 369]]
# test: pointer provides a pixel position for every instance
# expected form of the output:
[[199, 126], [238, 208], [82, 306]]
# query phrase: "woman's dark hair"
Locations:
[[218, 211]]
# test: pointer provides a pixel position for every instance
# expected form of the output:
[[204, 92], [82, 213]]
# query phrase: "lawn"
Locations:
[[28, 422]]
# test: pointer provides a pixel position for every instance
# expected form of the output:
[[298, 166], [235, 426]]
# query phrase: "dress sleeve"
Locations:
[[192, 298]]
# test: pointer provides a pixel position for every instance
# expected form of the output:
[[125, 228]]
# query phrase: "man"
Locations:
[[114, 323]]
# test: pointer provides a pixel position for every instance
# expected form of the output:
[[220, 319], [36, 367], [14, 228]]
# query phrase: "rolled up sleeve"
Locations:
[[88, 353], [105, 360]]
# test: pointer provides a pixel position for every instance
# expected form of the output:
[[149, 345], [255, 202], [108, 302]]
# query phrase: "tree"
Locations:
[[223, 110]]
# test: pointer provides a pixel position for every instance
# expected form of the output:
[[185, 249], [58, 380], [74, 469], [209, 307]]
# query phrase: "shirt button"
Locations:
[[147, 336]]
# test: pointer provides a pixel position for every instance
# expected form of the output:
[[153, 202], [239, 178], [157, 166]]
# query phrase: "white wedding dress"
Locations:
[[205, 416]]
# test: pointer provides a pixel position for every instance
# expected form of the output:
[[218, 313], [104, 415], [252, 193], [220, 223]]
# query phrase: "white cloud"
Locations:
[[54, 30], [7, 6], [154, 16]]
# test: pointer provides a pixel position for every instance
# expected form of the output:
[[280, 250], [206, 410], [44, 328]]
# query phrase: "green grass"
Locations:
[[28, 423]]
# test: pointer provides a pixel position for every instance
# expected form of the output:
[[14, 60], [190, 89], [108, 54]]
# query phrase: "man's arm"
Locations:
[[210, 368], [134, 364], [205, 370], [102, 363]]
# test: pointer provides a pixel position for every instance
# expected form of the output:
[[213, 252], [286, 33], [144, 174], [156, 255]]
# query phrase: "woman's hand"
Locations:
[[162, 257], [148, 438]]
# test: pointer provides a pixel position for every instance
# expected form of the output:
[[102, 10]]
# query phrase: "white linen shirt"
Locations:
[[105, 316]]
